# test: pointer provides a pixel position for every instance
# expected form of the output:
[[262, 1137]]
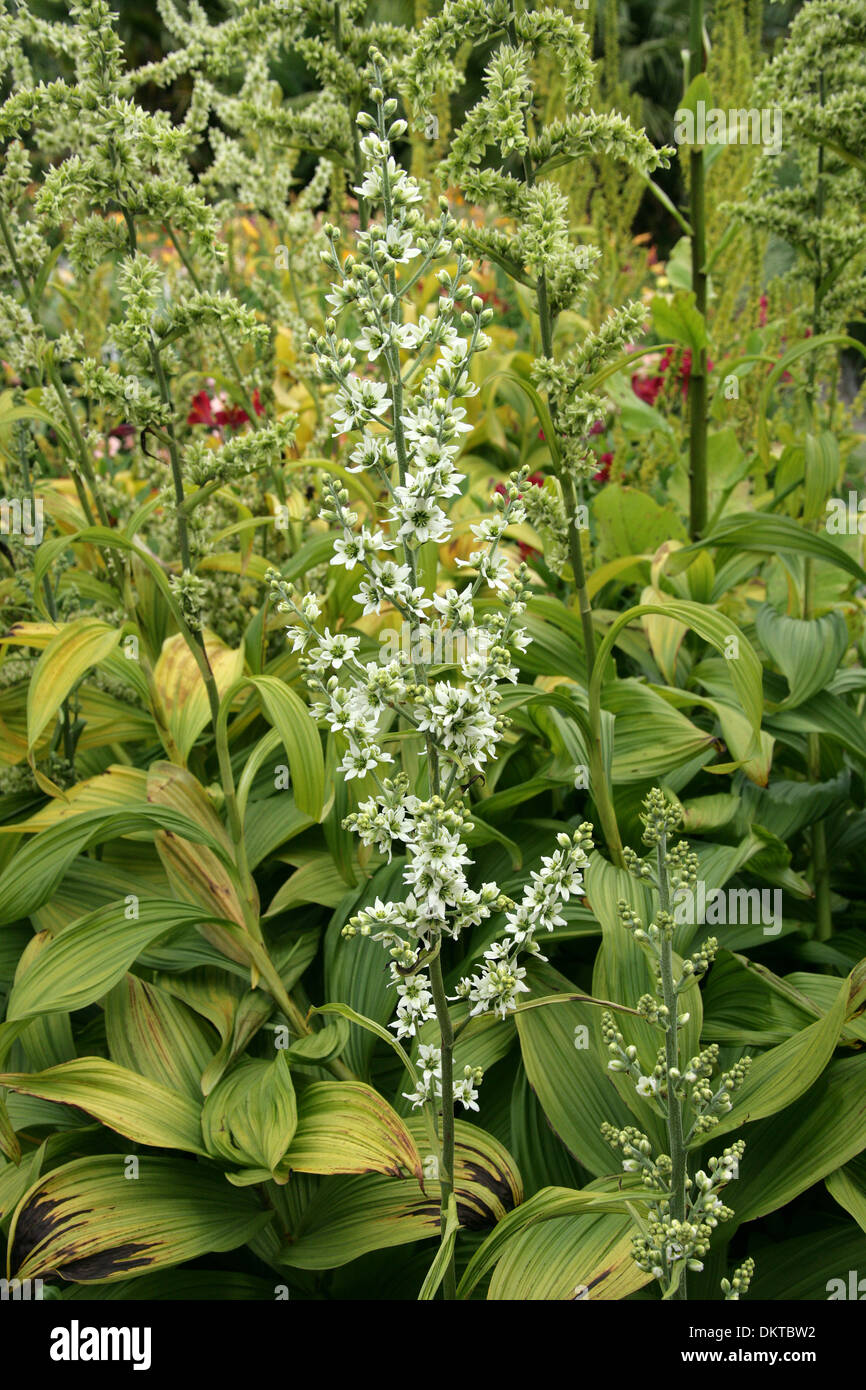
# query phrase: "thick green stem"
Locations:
[[575, 552], [820, 862], [601, 792], [676, 1140], [446, 1159], [698, 376], [818, 278]]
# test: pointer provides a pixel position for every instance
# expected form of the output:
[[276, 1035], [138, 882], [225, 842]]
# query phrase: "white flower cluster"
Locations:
[[429, 1086], [405, 407], [501, 979]]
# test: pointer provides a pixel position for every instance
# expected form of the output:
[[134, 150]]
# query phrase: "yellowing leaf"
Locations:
[[182, 689], [68, 656], [347, 1127], [133, 1105], [87, 1222], [196, 873]]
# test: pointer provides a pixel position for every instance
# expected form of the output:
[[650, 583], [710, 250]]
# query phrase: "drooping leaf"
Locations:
[[151, 1032], [782, 1075], [796, 1147], [143, 1110], [87, 959], [88, 1222], [181, 688], [297, 730], [77, 647], [38, 867], [807, 651]]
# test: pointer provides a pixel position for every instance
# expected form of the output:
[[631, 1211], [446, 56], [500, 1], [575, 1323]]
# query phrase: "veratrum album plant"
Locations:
[[432, 655]]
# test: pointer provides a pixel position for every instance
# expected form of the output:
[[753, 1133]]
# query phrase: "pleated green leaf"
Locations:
[[297, 729], [562, 1244], [38, 866], [350, 1216], [780, 1076], [436, 1273], [251, 1116], [716, 629], [347, 1127], [135, 1106], [848, 1186], [151, 1032], [807, 651], [573, 1085], [768, 534], [77, 647], [798, 1146], [88, 1222], [87, 959]]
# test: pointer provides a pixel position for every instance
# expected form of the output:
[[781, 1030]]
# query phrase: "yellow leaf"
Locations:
[[181, 688]]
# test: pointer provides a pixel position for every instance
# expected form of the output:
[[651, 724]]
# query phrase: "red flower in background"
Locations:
[[647, 388], [216, 412], [603, 474], [537, 480]]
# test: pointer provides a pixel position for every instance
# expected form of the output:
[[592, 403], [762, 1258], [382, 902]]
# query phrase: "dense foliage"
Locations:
[[432, 675]]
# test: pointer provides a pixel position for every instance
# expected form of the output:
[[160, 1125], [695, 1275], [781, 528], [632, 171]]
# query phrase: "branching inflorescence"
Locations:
[[675, 1234], [410, 421]]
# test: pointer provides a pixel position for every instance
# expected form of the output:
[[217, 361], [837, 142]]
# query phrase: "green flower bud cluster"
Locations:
[[739, 1283], [659, 817], [189, 590], [501, 158], [813, 197]]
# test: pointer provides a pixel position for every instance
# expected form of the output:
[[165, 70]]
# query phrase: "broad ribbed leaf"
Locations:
[[768, 534], [347, 1127], [798, 1146], [68, 656], [293, 722], [181, 688], [89, 1223], [38, 867], [807, 651], [251, 1116], [573, 1085], [716, 629], [780, 1076], [87, 959], [196, 873], [561, 1244], [125, 1101], [151, 1032], [350, 1216], [848, 1185]]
